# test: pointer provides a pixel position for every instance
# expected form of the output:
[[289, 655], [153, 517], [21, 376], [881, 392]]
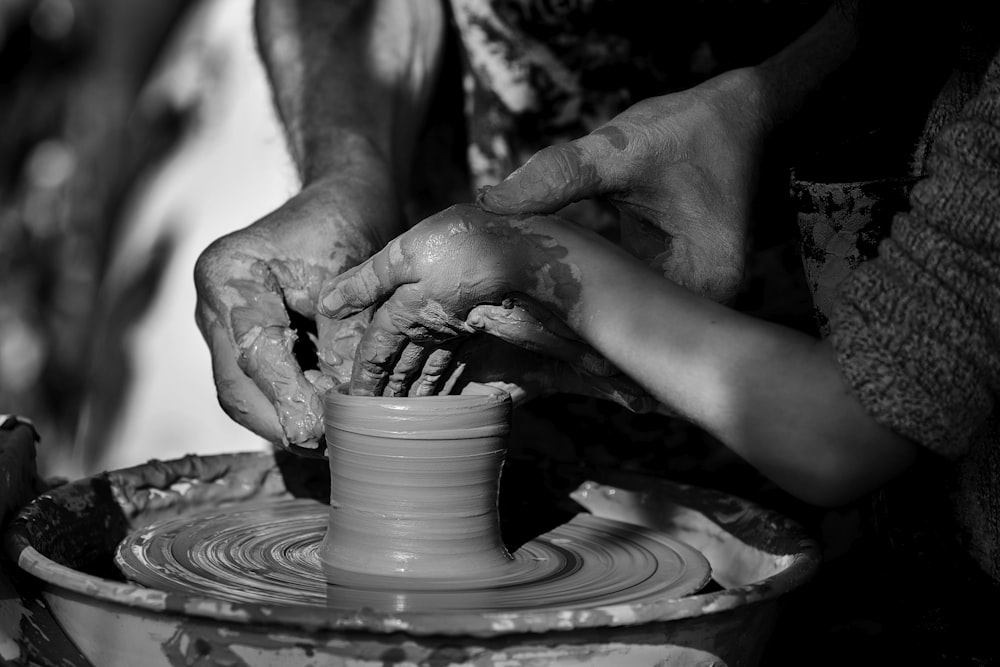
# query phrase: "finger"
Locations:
[[410, 361], [377, 352], [561, 174], [267, 358], [240, 397], [519, 395], [540, 313], [485, 360], [437, 364], [518, 326], [366, 285], [336, 341], [264, 342]]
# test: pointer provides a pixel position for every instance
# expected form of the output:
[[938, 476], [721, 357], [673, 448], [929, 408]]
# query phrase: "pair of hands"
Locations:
[[680, 168]]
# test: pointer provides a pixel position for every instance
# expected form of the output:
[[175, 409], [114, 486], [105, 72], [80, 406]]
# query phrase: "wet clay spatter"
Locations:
[[412, 526]]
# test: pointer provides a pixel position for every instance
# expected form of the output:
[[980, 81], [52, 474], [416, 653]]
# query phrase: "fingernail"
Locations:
[[493, 197], [333, 303], [482, 192]]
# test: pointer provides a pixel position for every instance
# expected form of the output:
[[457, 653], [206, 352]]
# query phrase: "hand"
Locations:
[[429, 279], [681, 169], [488, 358], [249, 282]]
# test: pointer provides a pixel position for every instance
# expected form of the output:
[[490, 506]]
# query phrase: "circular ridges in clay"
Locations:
[[267, 554], [414, 484], [412, 526]]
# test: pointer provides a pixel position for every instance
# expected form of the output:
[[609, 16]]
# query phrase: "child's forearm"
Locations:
[[772, 394]]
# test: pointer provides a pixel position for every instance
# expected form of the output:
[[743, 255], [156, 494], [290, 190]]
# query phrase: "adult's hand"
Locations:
[[427, 281], [682, 170], [249, 282]]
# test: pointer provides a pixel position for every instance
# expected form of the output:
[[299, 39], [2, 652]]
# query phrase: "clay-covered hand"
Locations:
[[680, 168], [525, 374], [427, 281], [251, 281]]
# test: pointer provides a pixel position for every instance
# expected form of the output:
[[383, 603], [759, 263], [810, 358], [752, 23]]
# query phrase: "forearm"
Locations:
[[772, 394], [799, 70], [351, 78]]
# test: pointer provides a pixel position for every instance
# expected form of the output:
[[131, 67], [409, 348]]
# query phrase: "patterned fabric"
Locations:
[[546, 72]]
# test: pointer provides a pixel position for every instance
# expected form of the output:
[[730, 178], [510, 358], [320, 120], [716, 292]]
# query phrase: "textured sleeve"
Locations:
[[917, 330]]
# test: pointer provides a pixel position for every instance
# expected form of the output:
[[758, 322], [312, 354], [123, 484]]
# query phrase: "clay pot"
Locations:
[[415, 484]]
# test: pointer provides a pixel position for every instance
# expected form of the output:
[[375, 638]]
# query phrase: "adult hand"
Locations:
[[427, 281], [249, 282], [680, 168]]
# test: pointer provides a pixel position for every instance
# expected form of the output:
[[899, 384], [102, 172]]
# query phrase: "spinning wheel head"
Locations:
[[412, 526]]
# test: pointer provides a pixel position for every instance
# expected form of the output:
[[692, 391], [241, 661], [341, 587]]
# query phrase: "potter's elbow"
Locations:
[[846, 474]]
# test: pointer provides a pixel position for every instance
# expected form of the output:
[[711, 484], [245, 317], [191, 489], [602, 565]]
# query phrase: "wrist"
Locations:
[[362, 196], [577, 266], [769, 94]]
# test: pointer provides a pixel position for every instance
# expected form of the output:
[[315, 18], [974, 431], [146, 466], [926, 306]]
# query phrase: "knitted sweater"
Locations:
[[917, 330]]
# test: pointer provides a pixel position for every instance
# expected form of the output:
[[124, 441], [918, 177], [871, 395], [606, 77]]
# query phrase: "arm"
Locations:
[[351, 77], [682, 168], [788, 78], [915, 333], [773, 395], [351, 81]]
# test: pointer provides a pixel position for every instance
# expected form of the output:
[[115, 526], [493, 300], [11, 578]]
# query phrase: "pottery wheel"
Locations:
[[267, 554]]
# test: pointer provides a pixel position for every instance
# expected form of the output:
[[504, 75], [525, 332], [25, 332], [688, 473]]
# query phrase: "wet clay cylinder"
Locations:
[[414, 484]]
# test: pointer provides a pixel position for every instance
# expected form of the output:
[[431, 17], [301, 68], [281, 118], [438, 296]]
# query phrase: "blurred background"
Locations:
[[134, 132]]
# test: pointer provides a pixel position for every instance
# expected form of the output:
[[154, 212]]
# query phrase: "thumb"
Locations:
[[367, 284], [537, 332], [554, 177]]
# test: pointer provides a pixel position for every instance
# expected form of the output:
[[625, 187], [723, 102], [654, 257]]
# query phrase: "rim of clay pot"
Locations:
[[18, 542], [480, 410]]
